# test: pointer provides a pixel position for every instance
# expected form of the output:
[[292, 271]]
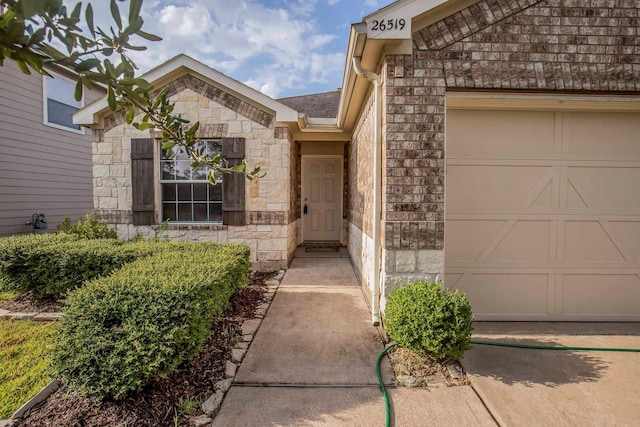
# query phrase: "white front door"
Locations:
[[321, 198]]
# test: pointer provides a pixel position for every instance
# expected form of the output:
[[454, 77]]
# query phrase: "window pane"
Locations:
[[215, 192], [60, 114], [168, 170], [215, 212], [184, 212], [200, 212], [200, 192], [169, 211], [184, 192], [62, 91], [168, 192], [214, 147], [183, 170], [200, 173]]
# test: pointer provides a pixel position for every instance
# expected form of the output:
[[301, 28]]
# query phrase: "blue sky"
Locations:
[[279, 47]]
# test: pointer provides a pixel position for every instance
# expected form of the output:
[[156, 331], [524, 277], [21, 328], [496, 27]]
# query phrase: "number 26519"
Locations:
[[387, 25]]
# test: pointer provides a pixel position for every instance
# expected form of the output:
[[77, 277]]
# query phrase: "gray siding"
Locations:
[[42, 169]]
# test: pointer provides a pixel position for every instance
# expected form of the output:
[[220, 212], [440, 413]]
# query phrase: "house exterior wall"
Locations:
[[43, 169], [360, 197], [580, 46], [270, 228]]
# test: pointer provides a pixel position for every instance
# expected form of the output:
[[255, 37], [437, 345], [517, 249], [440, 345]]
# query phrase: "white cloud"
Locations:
[[235, 35], [332, 2], [371, 3]]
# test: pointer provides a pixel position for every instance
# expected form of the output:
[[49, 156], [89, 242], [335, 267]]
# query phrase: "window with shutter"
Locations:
[[187, 195]]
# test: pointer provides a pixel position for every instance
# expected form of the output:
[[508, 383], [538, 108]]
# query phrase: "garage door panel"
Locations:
[[549, 232], [599, 295], [602, 135], [627, 234], [607, 186], [589, 242], [473, 236], [526, 241], [473, 134], [482, 187], [507, 295]]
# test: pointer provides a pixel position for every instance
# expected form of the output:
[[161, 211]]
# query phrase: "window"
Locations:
[[59, 103], [187, 195]]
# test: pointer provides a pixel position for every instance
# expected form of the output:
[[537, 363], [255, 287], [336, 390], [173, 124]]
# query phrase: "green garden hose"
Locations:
[[547, 347], [493, 343], [382, 387]]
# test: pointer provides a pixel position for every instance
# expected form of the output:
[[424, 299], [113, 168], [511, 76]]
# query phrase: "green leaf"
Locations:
[[75, 13], [129, 116], [134, 9], [89, 17], [111, 98], [78, 92], [23, 67], [115, 12], [145, 126], [87, 64], [168, 145], [133, 27], [150, 37]]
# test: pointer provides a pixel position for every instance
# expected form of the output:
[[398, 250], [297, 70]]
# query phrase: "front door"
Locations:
[[321, 198]]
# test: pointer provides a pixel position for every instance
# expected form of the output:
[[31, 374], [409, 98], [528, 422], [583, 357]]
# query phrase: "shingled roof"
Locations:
[[316, 105]]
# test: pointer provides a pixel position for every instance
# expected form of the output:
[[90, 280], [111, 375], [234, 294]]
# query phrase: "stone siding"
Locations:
[[268, 199]]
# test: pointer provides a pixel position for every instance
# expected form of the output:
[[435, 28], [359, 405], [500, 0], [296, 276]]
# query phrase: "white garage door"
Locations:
[[543, 214]]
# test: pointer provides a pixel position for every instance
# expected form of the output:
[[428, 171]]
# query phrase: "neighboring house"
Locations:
[[492, 144], [45, 167]]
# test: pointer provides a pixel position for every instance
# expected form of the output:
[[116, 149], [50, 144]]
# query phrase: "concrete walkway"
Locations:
[[312, 363]]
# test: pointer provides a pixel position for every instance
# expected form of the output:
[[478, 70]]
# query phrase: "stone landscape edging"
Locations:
[[250, 327]]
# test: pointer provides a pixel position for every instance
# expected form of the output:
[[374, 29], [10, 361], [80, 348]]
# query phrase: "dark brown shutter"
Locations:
[[142, 181], [233, 151]]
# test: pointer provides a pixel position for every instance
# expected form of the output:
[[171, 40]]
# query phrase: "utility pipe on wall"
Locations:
[[377, 184]]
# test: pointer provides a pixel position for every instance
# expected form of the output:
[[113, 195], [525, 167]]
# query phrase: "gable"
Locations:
[[208, 91], [544, 45]]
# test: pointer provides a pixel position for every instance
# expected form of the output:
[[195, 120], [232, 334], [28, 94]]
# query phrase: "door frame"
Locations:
[[303, 175]]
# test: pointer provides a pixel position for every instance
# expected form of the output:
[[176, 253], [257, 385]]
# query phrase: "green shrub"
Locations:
[[54, 265], [90, 228], [429, 320], [141, 322]]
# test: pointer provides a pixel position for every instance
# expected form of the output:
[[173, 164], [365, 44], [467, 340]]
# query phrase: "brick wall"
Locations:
[[569, 46], [580, 46]]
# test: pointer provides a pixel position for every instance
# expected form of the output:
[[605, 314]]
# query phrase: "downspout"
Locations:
[[377, 185]]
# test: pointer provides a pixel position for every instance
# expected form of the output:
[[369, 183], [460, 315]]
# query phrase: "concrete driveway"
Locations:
[[558, 388]]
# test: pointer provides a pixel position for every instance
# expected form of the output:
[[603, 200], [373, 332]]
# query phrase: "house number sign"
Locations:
[[392, 26]]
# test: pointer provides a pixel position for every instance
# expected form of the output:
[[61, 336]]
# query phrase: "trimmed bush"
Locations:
[[141, 322], [431, 321], [56, 264], [90, 228]]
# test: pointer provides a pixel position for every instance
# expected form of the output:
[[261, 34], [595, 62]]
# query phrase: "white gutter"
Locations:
[[377, 185]]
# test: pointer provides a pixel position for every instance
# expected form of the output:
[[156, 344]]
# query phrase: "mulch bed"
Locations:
[[413, 370], [162, 402], [27, 303]]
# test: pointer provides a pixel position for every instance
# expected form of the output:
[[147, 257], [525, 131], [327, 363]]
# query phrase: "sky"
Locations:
[[280, 47]]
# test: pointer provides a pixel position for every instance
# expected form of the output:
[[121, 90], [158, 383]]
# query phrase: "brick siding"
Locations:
[[579, 46]]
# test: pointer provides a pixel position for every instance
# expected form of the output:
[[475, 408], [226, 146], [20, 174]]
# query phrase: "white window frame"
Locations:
[[45, 112], [162, 181]]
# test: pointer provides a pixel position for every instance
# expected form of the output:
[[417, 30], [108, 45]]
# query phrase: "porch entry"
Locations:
[[321, 198]]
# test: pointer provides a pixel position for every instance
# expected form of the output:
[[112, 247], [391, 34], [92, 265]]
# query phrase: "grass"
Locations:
[[25, 352], [6, 296]]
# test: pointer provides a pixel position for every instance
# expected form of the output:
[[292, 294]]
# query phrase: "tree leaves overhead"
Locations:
[[29, 30]]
